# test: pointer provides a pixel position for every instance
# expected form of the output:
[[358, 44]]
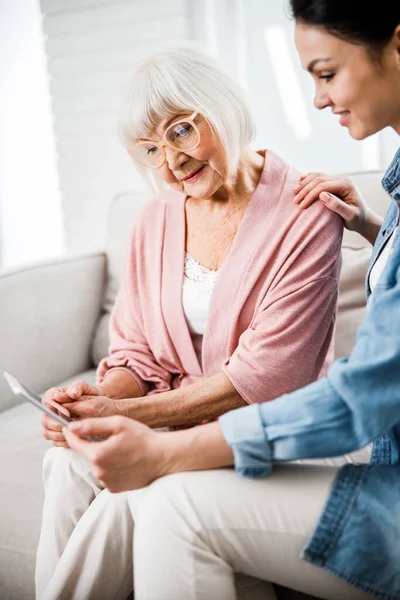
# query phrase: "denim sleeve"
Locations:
[[357, 402]]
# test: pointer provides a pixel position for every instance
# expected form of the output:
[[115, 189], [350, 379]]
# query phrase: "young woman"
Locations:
[[195, 530]]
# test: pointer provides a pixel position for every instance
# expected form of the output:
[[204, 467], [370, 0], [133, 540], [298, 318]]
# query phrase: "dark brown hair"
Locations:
[[356, 21]]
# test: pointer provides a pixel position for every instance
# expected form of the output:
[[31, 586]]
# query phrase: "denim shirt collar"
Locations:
[[391, 179], [391, 185]]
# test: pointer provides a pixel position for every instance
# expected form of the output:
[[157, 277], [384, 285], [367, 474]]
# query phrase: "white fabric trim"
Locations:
[[380, 264], [198, 285]]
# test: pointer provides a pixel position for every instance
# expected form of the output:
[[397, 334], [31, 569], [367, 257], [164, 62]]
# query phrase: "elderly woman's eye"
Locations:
[[181, 130], [151, 150]]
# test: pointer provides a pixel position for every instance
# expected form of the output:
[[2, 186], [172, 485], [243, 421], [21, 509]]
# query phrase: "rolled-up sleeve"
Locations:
[[129, 349], [310, 423], [244, 431]]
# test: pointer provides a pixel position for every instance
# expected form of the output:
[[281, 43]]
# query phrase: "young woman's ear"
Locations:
[[396, 41]]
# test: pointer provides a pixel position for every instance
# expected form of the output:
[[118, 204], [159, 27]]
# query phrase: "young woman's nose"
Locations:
[[321, 99]]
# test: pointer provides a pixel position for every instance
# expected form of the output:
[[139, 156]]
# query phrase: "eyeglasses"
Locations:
[[182, 135]]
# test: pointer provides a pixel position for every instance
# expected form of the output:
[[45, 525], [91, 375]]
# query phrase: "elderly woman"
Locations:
[[228, 299], [195, 530]]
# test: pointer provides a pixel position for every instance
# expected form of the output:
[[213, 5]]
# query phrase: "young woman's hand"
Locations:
[[340, 195], [131, 456]]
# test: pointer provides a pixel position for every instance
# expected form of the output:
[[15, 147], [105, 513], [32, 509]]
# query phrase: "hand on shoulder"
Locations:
[[339, 194]]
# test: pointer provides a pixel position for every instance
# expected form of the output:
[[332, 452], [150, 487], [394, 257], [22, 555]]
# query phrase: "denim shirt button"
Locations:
[[383, 232]]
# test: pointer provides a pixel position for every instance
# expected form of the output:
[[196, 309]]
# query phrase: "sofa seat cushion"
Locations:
[[22, 448], [352, 297]]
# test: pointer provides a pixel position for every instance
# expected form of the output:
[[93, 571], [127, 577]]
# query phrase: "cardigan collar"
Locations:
[[236, 279]]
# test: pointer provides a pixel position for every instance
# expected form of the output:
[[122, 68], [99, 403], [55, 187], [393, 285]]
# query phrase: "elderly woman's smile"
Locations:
[[194, 175]]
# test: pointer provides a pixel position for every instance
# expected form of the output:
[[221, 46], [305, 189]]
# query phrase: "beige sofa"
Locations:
[[54, 329]]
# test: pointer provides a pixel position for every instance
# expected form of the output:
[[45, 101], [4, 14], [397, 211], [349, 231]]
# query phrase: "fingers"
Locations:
[[305, 180], [54, 399], [311, 192], [80, 388], [92, 449], [54, 436], [93, 452], [98, 426], [52, 431], [308, 184], [61, 444], [106, 431], [71, 392], [52, 394], [83, 408], [346, 211], [49, 423], [58, 408], [56, 396], [83, 447]]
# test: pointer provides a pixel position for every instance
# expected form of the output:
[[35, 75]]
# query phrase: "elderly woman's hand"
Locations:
[[95, 406], [130, 458], [56, 399]]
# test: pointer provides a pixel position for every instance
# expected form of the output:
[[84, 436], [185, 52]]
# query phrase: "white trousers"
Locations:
[[195, 530], [85, 549], [197, 535], [85, 544]]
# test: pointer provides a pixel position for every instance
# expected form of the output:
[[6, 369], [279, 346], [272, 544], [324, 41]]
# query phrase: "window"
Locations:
[[254, 41]]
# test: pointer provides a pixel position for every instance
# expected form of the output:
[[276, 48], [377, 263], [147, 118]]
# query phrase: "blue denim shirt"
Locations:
[[357, 537]]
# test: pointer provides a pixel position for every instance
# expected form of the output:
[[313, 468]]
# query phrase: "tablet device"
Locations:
[[27, 394]]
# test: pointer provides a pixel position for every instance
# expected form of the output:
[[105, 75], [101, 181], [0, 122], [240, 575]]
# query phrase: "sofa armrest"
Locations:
[[48, 314]]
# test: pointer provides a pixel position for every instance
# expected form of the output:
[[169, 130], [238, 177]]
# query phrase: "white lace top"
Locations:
[[198, 285]]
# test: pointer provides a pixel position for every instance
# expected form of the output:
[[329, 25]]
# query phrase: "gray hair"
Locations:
[[184, 78]]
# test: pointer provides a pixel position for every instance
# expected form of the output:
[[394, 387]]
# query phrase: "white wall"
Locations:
[[254, 41], [30, 204], [93, 47]]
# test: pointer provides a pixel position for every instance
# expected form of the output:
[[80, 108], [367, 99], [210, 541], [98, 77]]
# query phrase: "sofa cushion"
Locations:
[[123, 211], [356, 254], [351, 303], [22, 448]]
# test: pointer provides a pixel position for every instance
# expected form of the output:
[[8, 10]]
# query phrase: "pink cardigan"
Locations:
[[272, 311]]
